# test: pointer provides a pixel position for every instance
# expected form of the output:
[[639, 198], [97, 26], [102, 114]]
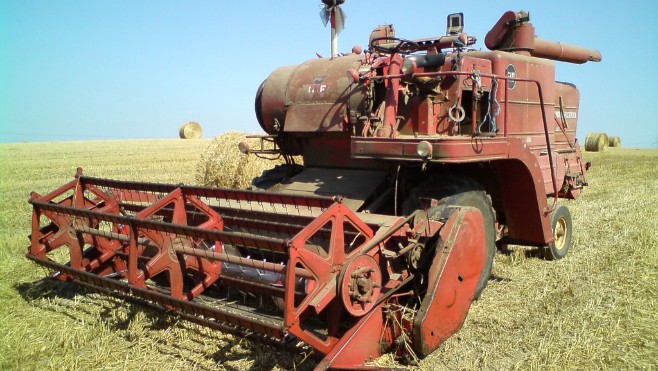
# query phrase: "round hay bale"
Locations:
[[596, 142], [223, 165], [614, 142], [191, 130]]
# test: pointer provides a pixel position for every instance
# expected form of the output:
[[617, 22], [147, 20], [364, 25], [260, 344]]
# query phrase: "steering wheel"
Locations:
[[402, 46]]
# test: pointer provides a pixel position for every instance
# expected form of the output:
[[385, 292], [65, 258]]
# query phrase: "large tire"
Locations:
[[562, 229], [451, 190]]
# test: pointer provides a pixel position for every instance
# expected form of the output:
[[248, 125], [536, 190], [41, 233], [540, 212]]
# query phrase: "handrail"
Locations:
[[506, 79]]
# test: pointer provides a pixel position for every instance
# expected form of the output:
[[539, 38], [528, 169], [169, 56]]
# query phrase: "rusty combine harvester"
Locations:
[[420, 157]]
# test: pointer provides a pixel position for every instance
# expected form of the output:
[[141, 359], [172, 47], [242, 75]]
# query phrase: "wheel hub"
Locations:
[[560, 233], [360, 284]]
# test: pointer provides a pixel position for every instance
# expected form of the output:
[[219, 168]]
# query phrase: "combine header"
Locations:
[[420, 157]]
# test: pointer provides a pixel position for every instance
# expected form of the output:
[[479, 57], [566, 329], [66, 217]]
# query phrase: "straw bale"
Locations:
[[191, 130], [614, 142], [596, 142], [223, 165]]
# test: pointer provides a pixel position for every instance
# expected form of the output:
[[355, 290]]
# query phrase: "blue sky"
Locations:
[[82, 70]]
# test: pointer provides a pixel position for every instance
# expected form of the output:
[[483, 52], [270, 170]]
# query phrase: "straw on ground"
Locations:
[[595, 309]]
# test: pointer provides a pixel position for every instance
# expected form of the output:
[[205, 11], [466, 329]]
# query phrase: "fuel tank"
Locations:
[[316, 96]]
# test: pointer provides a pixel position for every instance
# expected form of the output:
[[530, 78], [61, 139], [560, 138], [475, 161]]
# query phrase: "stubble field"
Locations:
[[595, 309]]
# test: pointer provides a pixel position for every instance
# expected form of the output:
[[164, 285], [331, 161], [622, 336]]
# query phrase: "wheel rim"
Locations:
[[560, 233]]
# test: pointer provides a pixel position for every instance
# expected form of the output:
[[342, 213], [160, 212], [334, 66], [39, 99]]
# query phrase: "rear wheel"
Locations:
[[449, 191], [562, 229]]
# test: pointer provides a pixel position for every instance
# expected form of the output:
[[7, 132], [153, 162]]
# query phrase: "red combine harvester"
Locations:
[[420, 157]]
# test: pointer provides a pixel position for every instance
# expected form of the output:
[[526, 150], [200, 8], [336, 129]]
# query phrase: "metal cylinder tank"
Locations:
[[317, 96]]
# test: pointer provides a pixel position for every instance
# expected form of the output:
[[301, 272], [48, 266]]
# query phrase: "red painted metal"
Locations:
[[453, 277], [513, 32], [359, 285], [340, 274], [182, 238]]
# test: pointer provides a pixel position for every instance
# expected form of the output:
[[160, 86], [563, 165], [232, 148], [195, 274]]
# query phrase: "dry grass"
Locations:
[[597, 308], [223, 165]]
